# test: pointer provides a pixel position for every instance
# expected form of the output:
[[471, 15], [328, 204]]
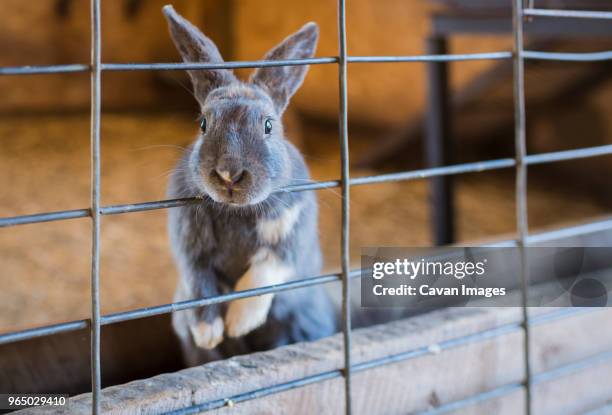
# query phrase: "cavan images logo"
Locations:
[[461, 276]]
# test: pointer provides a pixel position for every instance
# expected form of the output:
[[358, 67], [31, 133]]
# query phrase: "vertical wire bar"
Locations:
[[521, 184], [95, 204], [345, 178]]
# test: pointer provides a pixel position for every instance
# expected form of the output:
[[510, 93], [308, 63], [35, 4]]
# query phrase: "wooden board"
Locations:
[[422, 383]]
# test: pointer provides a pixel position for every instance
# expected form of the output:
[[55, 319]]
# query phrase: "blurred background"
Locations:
[[149, 117]]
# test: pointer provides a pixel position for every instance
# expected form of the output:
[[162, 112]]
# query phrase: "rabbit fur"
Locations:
[[244, 233]]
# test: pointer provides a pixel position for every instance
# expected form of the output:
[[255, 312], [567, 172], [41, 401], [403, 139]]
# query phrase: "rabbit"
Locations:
[[244, 233]]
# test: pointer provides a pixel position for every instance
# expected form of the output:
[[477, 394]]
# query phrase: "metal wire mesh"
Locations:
[[520, 162]]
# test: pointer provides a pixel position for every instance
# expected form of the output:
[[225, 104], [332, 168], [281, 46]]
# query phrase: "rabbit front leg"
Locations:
[[244, 315], [200, 326]]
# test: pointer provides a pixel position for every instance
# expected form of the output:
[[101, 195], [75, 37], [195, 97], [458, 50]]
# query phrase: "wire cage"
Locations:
[[520, 163]]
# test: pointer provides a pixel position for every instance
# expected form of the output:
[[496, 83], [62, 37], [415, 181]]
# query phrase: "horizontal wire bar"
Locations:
[[391, 177], [208, 65], [258, 393], [430, 58], [561, 314], [569, 154], [310, 186], [584, 14], [171, 66], [167, 308], [474, 167], [43, 331], [573, 367], [567, 56], [32, 70], [236, 295], [474, 399], [44, 217], [441, 346], [152, 311], [170, 203], [144, 206], [570, 231], [43, 69]]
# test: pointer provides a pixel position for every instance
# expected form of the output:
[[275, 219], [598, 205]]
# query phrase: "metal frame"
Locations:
[[96, 104], [520, 162], [520, 152]]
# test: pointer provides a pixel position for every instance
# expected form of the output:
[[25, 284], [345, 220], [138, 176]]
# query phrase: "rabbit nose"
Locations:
[[230, 177]]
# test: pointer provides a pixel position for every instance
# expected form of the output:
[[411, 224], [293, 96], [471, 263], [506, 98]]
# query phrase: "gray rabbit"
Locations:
[[244, 233]]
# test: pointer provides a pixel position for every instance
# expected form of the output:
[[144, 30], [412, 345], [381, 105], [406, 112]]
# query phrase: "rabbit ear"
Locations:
[[281, 82], [195, 47]]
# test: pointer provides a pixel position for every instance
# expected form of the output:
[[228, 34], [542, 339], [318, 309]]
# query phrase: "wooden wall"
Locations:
[[49, 32], [52, 32]]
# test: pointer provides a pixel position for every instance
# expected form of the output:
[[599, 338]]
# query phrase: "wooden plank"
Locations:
[[571, 339], [575, 393], [441, 377], [419, 383]]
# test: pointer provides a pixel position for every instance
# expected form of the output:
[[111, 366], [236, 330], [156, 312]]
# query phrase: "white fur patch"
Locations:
[[275, 230], [207, 336], [247, 314]]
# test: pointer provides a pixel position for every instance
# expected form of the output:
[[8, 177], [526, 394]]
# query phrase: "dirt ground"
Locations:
[[44, 166]]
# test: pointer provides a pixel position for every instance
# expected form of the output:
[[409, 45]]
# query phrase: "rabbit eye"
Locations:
[[268, 126], [203, 125]]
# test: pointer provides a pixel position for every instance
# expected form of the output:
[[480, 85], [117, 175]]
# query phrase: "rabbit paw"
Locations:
[[208, 335], [247, 314]]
